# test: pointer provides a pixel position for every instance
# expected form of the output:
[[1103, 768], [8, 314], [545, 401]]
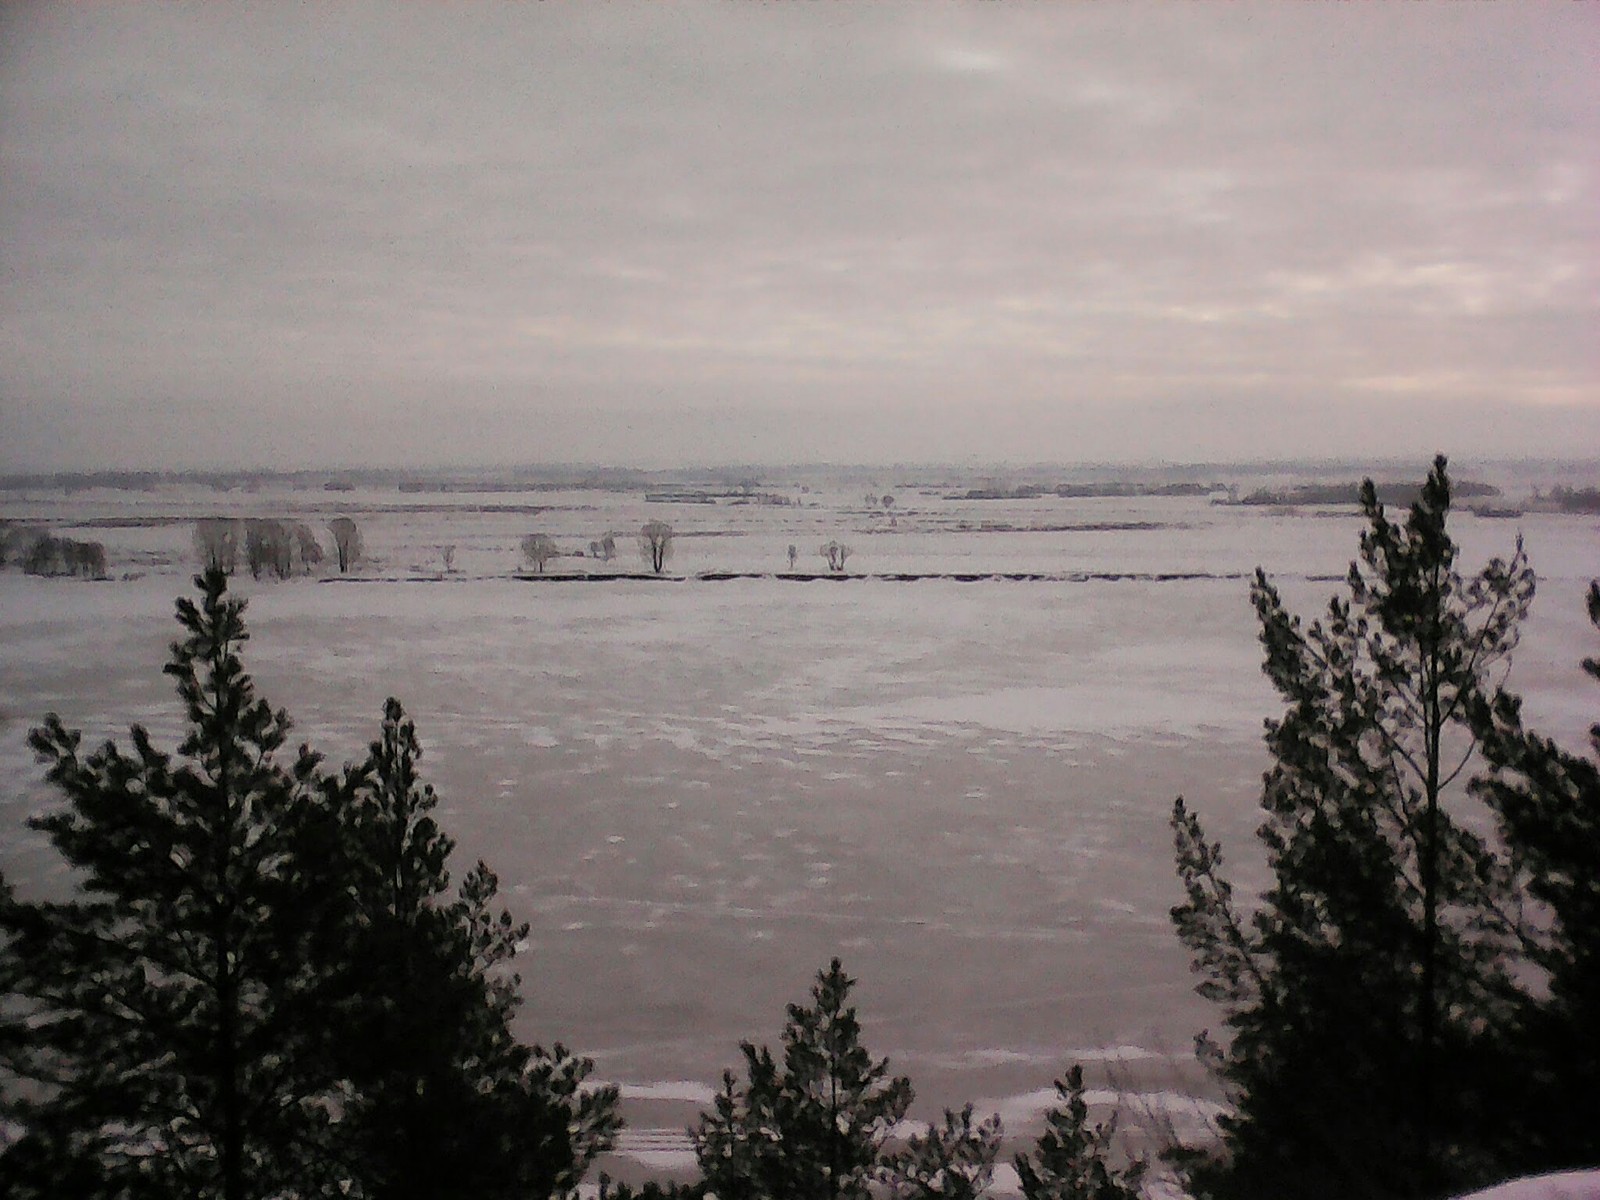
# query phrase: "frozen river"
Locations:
[[699, 790]]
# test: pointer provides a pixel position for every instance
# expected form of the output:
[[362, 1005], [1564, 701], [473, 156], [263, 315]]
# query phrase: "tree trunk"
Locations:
[[1429, 853]]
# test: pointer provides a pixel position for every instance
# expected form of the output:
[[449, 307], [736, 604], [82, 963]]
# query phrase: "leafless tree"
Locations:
[[45, 556], [655, 544], [268, 546], [794, 555], [257, 548], [888, 501], [608, 546], [538, 549], [836, 552], [50, 555], [88, 559], [447, 555], [308, 546], [217, 541], [346, 542]]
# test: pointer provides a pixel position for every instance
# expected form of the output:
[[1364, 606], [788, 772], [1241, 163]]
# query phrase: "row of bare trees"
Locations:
[[655, 547], [39, 553], [835, 551], [273, 547], [281, 549]]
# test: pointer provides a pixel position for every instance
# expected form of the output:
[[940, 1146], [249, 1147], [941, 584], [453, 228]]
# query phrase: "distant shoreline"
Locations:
[[822, 576]]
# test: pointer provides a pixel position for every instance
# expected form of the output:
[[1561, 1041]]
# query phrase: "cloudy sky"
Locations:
[[296, 234]]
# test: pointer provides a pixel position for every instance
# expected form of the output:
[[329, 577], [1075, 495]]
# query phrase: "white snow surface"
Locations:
[[1566, 1185], [698, 791]]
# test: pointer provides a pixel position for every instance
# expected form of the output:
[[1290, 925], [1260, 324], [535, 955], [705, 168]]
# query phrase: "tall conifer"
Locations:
[[263, 987], [1548, 802], [449, 1104], [1369, 994], [155, 1027], [813, 1128], [1072, 1158]]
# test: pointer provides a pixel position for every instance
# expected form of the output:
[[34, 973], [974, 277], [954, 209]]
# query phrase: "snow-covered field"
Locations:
[[698, 790]]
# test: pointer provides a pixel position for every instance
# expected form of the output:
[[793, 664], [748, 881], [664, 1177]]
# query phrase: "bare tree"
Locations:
[[87, 559], [309, 548], [447, 555], [45, 556], [18, 542], [605, 549], [264, 544], [836, 552], [655, 544], [346, 542], [216, 539], [268, 546], [538, 549], [794, 554], [50, 555]]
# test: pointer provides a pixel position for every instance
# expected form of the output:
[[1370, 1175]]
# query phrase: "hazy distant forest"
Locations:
[[266, 981]]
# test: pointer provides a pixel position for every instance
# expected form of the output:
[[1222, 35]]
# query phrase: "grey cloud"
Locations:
[[742, 211]]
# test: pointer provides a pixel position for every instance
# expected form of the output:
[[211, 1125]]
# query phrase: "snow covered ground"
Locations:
[[699, 790]]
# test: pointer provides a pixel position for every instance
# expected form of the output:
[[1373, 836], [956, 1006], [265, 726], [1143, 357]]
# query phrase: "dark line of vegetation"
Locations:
[[1402, 495], [861, 577]]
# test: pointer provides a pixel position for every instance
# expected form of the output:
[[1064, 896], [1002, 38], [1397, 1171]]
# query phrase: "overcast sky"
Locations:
[[305, 234]]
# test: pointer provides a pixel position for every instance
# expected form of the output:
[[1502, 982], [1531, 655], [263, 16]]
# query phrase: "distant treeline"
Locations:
[[1088, 491], [1124, 488], [1399, 494], [1578, 500], [341, 480]]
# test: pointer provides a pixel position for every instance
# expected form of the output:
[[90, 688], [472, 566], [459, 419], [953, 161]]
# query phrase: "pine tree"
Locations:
[[1071, 1160], [954, 1160], [814, 1130], [154, 1028], [263, 988], [650, 1190], [1368, 995], [1548, 803], [450, 1103]]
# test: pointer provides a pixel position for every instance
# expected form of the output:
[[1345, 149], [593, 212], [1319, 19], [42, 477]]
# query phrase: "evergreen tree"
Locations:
[[450, 1104], [263, 989], [814, 1130], [952, 1161], [1548, 802], [1369, 994], [1071, 1159], [610, 1190], [154, 1028]]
